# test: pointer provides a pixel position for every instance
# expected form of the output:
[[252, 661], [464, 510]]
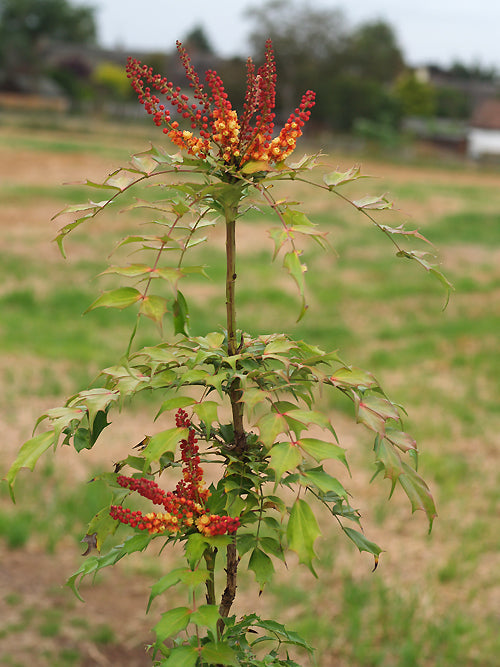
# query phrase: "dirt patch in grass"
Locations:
[[118, 599]]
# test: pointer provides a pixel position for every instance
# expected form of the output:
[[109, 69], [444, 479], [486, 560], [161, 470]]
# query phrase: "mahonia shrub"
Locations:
[[247, 403]]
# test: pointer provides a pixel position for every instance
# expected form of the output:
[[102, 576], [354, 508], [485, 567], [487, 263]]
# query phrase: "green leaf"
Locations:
[[352, 377], [284, 456], [207, 615], [182, 656], [270, 426], [96, 563], [129, 271], [163, 443], [418, 493], [401, 439], [120, 298], [163, 584], [153, 307], [302, 531], [102, 525], [219, 654], [336, 178], [172, 622], [373, 412], [95, 400], [254, 166], [324, 482], [180, 314], [374, 203], [320, 450], [122, 178], [297, 270], [252, 397], [207, 412], [195, 548], [174, 404], [28, 455], [262, 566], [362, 543], [388, 457]]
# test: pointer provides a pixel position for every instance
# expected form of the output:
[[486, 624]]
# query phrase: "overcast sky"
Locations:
[[437, 31]]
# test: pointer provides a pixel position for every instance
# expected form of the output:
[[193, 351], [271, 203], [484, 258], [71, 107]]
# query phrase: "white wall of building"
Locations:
[[483, 142]]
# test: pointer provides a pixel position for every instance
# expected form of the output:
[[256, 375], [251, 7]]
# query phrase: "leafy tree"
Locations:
[[29, 27], [373, 53], [417, 98], [197, 40], [308, 44], [350, 71]]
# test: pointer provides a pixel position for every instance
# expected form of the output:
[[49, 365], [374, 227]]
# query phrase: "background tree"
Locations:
[[306, 42], [28, 28], [417, 98], [198, 40], [351, 71]]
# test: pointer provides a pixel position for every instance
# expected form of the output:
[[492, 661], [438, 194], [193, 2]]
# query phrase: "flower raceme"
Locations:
[[185, 507], [235, 141]]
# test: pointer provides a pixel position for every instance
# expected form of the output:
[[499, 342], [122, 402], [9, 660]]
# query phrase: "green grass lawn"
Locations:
[[434, 601]]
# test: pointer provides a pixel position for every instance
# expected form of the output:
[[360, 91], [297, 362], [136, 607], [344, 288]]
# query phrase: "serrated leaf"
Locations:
[[174, 404], [262, 566], [180, 314], [207, 615], [308, 417], [278, 345], [270, 426], [122, 178], [144, 162], [172, 622], [297, 270], [219, 654], [252, 397], [352, 377], [120, 298], [418, 493], [336, 178], [28, 455], [207, 412], [171, 579], [102, 525], [195, 548], [254, 166], [321, 450], [401, 439], [374, 203], [182, 656], [284, 456], [374, 411], [129, 271], [324, 482], [95, 400], [363, 543], [96, 563], [163, 443], [302, 531], [154, 307], [389, 459]]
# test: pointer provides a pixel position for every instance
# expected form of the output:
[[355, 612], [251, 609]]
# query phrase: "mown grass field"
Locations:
[[434, 600]]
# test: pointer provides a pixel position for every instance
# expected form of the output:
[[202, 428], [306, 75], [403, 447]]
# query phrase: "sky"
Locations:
[[428, 31]]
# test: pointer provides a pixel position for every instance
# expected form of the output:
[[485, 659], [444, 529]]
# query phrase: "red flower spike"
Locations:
[[235, 141], [184, 507]]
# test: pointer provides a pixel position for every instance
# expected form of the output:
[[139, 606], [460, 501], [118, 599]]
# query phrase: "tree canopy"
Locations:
[[351, 70], [29, 27]]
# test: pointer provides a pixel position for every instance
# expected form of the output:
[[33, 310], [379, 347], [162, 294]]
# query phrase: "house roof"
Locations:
[[487, 115]]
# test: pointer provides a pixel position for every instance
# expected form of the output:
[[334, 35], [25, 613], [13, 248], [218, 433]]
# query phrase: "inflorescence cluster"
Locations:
[[185, 507], [234, 140]]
